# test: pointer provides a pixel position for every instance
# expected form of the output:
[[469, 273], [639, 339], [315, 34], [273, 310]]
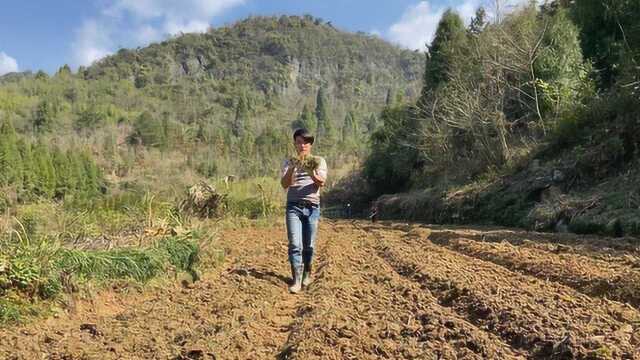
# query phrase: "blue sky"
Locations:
[[47, 34]]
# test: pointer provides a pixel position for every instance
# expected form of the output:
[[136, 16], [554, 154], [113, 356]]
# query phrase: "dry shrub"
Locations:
[[204, 201]]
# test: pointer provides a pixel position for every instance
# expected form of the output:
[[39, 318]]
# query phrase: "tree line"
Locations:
[[496, 90]]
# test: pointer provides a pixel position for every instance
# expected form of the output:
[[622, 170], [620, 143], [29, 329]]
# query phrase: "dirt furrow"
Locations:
[[240, 311], [590, 276], [380, 291], [359, 308], [625, 252], [550, 320]]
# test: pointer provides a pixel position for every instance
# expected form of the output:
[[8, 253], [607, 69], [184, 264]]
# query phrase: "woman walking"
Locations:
[[302, 176]]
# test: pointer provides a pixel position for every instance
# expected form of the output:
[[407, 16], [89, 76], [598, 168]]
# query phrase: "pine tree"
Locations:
[[350, 127], [238, 127], [43, 116], [64, 70], [306, 120], [560, 67], [148, 131], [65, 181], [26, 191], [10, 162], [609, 34], [93, 175], [449, 43], [76, 170], [324, 126], [45, 176]]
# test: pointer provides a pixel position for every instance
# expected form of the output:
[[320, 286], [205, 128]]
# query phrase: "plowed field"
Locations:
[[381, 291]]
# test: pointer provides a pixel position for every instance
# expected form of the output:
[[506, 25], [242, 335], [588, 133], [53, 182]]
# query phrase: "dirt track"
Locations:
[[392, 291]]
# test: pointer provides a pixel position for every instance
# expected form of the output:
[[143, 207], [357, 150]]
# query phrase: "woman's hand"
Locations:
[[317, 179], [287, 178]]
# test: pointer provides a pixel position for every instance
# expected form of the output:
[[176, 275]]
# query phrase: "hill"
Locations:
[[217, 103]]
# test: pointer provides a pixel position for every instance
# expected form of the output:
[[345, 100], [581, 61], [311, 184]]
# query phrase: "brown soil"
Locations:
[[380, 291]]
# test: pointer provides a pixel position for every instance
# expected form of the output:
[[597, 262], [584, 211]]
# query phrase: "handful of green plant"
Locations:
[[308, 163]]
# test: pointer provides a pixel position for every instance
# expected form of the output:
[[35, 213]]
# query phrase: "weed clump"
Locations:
[[308, 163]]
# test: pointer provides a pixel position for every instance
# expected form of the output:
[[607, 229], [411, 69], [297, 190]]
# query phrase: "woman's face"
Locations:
[[302, 146]]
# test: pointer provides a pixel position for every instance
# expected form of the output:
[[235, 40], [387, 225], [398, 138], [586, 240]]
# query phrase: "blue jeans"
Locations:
[[302, 227]]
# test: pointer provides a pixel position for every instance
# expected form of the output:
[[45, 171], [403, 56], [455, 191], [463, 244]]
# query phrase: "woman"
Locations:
[[302, 176]]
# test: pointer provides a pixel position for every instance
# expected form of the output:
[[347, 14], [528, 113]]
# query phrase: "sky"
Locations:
[[44, 35]]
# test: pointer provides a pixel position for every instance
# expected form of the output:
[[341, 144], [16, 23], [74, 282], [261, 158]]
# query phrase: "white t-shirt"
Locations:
[[303, 188]]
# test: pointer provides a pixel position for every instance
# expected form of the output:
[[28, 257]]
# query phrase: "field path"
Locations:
[[381, 291]]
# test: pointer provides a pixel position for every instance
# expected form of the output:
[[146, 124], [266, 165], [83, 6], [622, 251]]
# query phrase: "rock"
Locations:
[[91, 329], [558, 176]]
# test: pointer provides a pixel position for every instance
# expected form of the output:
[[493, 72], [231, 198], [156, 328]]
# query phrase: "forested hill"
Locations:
[[272, 55], [211, 104], [273, 65]]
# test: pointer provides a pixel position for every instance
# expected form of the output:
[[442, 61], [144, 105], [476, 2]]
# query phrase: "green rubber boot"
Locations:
[[296, 285], [306, 275]]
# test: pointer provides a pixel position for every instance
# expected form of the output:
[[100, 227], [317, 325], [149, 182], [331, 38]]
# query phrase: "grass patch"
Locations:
[[42, 271]]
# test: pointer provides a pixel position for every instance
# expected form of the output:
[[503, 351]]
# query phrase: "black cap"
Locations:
[[305, 134]]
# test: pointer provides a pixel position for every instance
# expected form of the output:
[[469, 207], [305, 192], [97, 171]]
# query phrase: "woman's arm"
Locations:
[[287, 178]]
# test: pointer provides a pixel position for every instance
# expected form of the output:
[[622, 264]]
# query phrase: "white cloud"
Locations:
[[174, 27], [131, 23], [92, 43], [418, 24], [7, 64], [145, 34], [176, 16]]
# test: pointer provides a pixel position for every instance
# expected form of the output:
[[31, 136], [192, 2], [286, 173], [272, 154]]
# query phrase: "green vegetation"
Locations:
[[94, 164], [43, 269], [529, 120], [526, 121]]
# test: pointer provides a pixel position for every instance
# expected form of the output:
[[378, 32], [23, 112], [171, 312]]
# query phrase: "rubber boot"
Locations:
[[296, 286], [306, 275]]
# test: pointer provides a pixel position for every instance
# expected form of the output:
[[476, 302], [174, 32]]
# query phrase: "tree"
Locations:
[[609, 35], [143, 76], [44, 116], [324, 125], [92, 174], [238, 127], [66, 182], [45, 174], [389, 166], [65, 70], [41, 75], [306, 119], [26, 191], [350, 127], [449, 43], [10, 162], [90, 118], [147, 131], [560, 68]]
